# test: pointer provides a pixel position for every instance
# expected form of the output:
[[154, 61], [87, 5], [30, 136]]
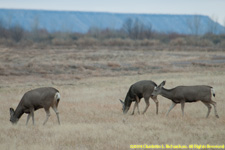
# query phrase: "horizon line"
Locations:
[[109, 12]]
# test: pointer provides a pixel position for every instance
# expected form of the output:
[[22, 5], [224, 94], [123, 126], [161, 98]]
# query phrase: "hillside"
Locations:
[[74, 21]]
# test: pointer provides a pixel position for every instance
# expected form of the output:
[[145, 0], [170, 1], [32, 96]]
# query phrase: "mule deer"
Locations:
[[137, 91], [45, 97], [183, 94]]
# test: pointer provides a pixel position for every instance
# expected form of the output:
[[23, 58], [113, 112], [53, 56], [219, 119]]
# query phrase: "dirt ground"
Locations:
[[91, 82]]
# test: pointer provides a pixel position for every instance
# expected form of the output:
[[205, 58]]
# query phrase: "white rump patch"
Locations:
[[57, 96], [213, 91]]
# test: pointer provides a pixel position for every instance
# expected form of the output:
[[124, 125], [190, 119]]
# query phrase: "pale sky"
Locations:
[[212, 8]]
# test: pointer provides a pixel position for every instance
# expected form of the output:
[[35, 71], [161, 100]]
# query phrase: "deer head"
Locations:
[[13, 119], [158, 88]]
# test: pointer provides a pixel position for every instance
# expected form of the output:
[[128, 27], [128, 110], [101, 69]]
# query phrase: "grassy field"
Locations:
[[90, 112]]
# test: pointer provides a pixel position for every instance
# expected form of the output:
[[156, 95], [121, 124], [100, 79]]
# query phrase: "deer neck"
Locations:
[[168, 93], [18, 112], [127, 101]]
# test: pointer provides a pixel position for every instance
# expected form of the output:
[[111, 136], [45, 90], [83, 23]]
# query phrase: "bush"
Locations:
[[204, 42], [87, 41], [59, 41], [222, 43], [147, 42], [178, 41], [17, 33], [117, 42], [7, 42]]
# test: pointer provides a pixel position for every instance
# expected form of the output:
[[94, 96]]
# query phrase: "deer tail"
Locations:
[[57, 96], [213, 92]]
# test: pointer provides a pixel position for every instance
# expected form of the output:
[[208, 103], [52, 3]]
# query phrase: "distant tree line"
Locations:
[[132, 30]]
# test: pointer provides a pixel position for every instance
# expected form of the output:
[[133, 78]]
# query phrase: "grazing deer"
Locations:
[[189, 94], [45, 97], [137, 91]]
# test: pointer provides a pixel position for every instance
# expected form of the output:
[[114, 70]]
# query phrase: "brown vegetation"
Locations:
[[98, 123], [91, 81], [133, 34]]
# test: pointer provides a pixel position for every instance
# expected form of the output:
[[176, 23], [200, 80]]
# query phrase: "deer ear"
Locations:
[[121, 101], [162, 84], [11, 110]]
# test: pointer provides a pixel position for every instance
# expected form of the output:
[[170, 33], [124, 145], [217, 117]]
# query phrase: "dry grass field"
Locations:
[[92, 81]]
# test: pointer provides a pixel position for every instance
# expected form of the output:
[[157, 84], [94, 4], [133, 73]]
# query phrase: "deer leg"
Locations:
[[57, 113], [171, 107], [138, 100], [135, 105], [47, 115], [32, 114], [182, 107], [156, 103], [214, 105], [209, 108], [28, 118], [147, 105]]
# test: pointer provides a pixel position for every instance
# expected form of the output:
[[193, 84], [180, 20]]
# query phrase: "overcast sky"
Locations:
[[211, 8]]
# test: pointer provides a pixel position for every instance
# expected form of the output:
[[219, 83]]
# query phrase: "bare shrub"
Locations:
[[4, 33], [178, 42], [26, 43], [118, 42], [40, 35], [59, 41], [17, 33], [136, 29], [222, 43], [192, 41], [205, 42], [87, 41], [197, 41], [147, 42], [7, 42]]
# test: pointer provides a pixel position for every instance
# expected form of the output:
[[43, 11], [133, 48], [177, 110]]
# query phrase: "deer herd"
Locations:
[[47, 97]]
